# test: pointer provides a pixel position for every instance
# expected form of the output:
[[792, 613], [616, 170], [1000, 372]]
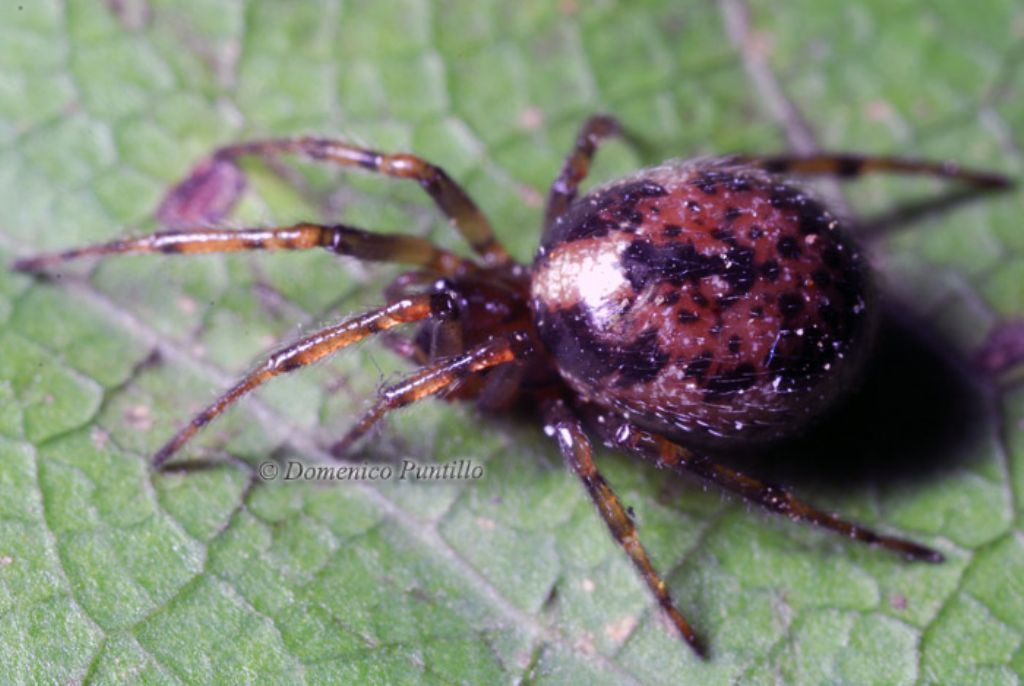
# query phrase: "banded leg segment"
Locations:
[[578, 454], [312, 348], [577, 165], [666, 454], [445, 192], [844, 165], [434, 378], [344, 240]]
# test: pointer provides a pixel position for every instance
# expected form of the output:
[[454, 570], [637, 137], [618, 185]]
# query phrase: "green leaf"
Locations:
[[110, 572]]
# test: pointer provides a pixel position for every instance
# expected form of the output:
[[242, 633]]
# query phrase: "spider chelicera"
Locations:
[[706, 302]]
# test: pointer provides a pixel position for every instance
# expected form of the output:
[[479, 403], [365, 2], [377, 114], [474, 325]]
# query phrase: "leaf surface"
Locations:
[[111, 573]]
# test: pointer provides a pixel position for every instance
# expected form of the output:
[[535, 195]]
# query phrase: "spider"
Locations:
[[705, 302]]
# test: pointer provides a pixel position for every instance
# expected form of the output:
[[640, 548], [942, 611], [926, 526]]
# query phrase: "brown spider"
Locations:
[[705, 301]]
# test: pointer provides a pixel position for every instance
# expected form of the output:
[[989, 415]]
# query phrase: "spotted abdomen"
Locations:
[[703, 298]]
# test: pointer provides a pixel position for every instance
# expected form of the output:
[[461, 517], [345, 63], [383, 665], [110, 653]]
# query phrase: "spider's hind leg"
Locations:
[[577, 451], [849, 165], [667, 454], [577, 165]]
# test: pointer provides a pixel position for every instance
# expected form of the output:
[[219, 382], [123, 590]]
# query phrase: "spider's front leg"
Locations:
[[578, 454], [438, 376], [316, 346], [667, 454], [448, 195], [338, 238]]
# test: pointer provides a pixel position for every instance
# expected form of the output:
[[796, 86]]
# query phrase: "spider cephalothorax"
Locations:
[[703, 301]]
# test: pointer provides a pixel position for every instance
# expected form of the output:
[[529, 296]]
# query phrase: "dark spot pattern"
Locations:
[[737, 183], [790, 305], [725, 236], [788, 247], [645, 264], [601, 213], [707, 183], [687, 316], [786, 198], [813, 222], [833, 258], [570, 336], [640, 361], [700, 365]]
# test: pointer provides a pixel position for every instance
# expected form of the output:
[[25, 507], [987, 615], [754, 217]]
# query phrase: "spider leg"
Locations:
[[845, 165], [314, 347], [576, 166], [667, 454], [501, 388], [338, 238], [445, 192], [577, 451], [434, 378], [446, 339]]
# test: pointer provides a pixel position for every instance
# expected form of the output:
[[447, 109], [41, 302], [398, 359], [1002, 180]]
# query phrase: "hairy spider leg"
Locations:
[[314, 347], [846, 165], [436, 377], [448, 195], [667, 454], [577, 165], [578, 454], [338, 238]]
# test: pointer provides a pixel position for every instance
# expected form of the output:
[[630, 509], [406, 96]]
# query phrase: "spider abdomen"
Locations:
[[703, 298]]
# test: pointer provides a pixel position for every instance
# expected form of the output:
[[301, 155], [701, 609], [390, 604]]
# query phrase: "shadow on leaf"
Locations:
[[917, 413]]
